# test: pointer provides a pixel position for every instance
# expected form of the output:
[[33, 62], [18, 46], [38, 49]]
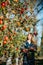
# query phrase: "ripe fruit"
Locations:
[[35, 33], [4, 42], [7, 2], [16, 49], [1, 21], [22, 11], [18, 24], [28, 29], [6, 38], [3, 4], [4, 27]]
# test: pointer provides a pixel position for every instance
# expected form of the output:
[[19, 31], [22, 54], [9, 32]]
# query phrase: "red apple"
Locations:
[[3, 4], [4, 27], [1, 21], [22, 11], [6, 38], [4, 42]]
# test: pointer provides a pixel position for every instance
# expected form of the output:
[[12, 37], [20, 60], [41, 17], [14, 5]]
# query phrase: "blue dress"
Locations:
[[28, 58]]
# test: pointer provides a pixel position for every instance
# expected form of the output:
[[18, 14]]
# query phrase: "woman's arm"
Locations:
[[33, 48]]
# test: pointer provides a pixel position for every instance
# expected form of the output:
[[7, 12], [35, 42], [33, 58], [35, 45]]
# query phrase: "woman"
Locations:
[[29, 50]]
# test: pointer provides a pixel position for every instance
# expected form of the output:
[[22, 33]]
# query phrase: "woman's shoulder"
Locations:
[[27, 43]]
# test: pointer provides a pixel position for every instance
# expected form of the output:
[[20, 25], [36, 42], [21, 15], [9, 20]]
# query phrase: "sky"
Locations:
[[39, 25]]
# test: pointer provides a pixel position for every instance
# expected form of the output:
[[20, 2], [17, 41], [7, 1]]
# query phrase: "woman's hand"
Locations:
[[25, 50], [32, 49]]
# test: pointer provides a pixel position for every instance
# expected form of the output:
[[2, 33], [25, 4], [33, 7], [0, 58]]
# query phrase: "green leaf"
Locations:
[[11, 1], [0, 10]]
